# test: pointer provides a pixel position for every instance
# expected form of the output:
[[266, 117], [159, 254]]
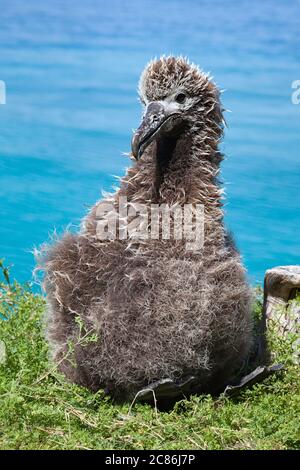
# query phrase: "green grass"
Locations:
[[40, 410]]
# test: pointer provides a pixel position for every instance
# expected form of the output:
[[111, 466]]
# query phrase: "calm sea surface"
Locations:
[[71, 70]]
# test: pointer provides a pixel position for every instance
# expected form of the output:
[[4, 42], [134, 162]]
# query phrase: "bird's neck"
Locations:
[[177, 171]]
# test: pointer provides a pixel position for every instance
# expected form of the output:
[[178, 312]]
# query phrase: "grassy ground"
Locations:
[[40, 410]]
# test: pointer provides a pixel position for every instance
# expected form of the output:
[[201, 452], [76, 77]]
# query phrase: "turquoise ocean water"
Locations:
[[71, 70]]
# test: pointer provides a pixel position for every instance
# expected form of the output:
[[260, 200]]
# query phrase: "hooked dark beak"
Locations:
[[155, 122]]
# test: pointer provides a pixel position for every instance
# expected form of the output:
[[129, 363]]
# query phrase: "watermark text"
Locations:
[[136, 222], [2, 92], [296, 93]]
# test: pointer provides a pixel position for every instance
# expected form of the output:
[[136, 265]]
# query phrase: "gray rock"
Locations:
[[281, 284]]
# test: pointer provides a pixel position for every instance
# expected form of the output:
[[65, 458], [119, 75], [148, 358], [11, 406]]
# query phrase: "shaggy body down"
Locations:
[[151, 308]]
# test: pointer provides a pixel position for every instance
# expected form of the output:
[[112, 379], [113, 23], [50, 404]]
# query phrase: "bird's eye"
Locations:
[[180, 98]]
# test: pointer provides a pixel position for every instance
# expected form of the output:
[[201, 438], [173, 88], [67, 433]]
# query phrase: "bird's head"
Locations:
[[178, 97]]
